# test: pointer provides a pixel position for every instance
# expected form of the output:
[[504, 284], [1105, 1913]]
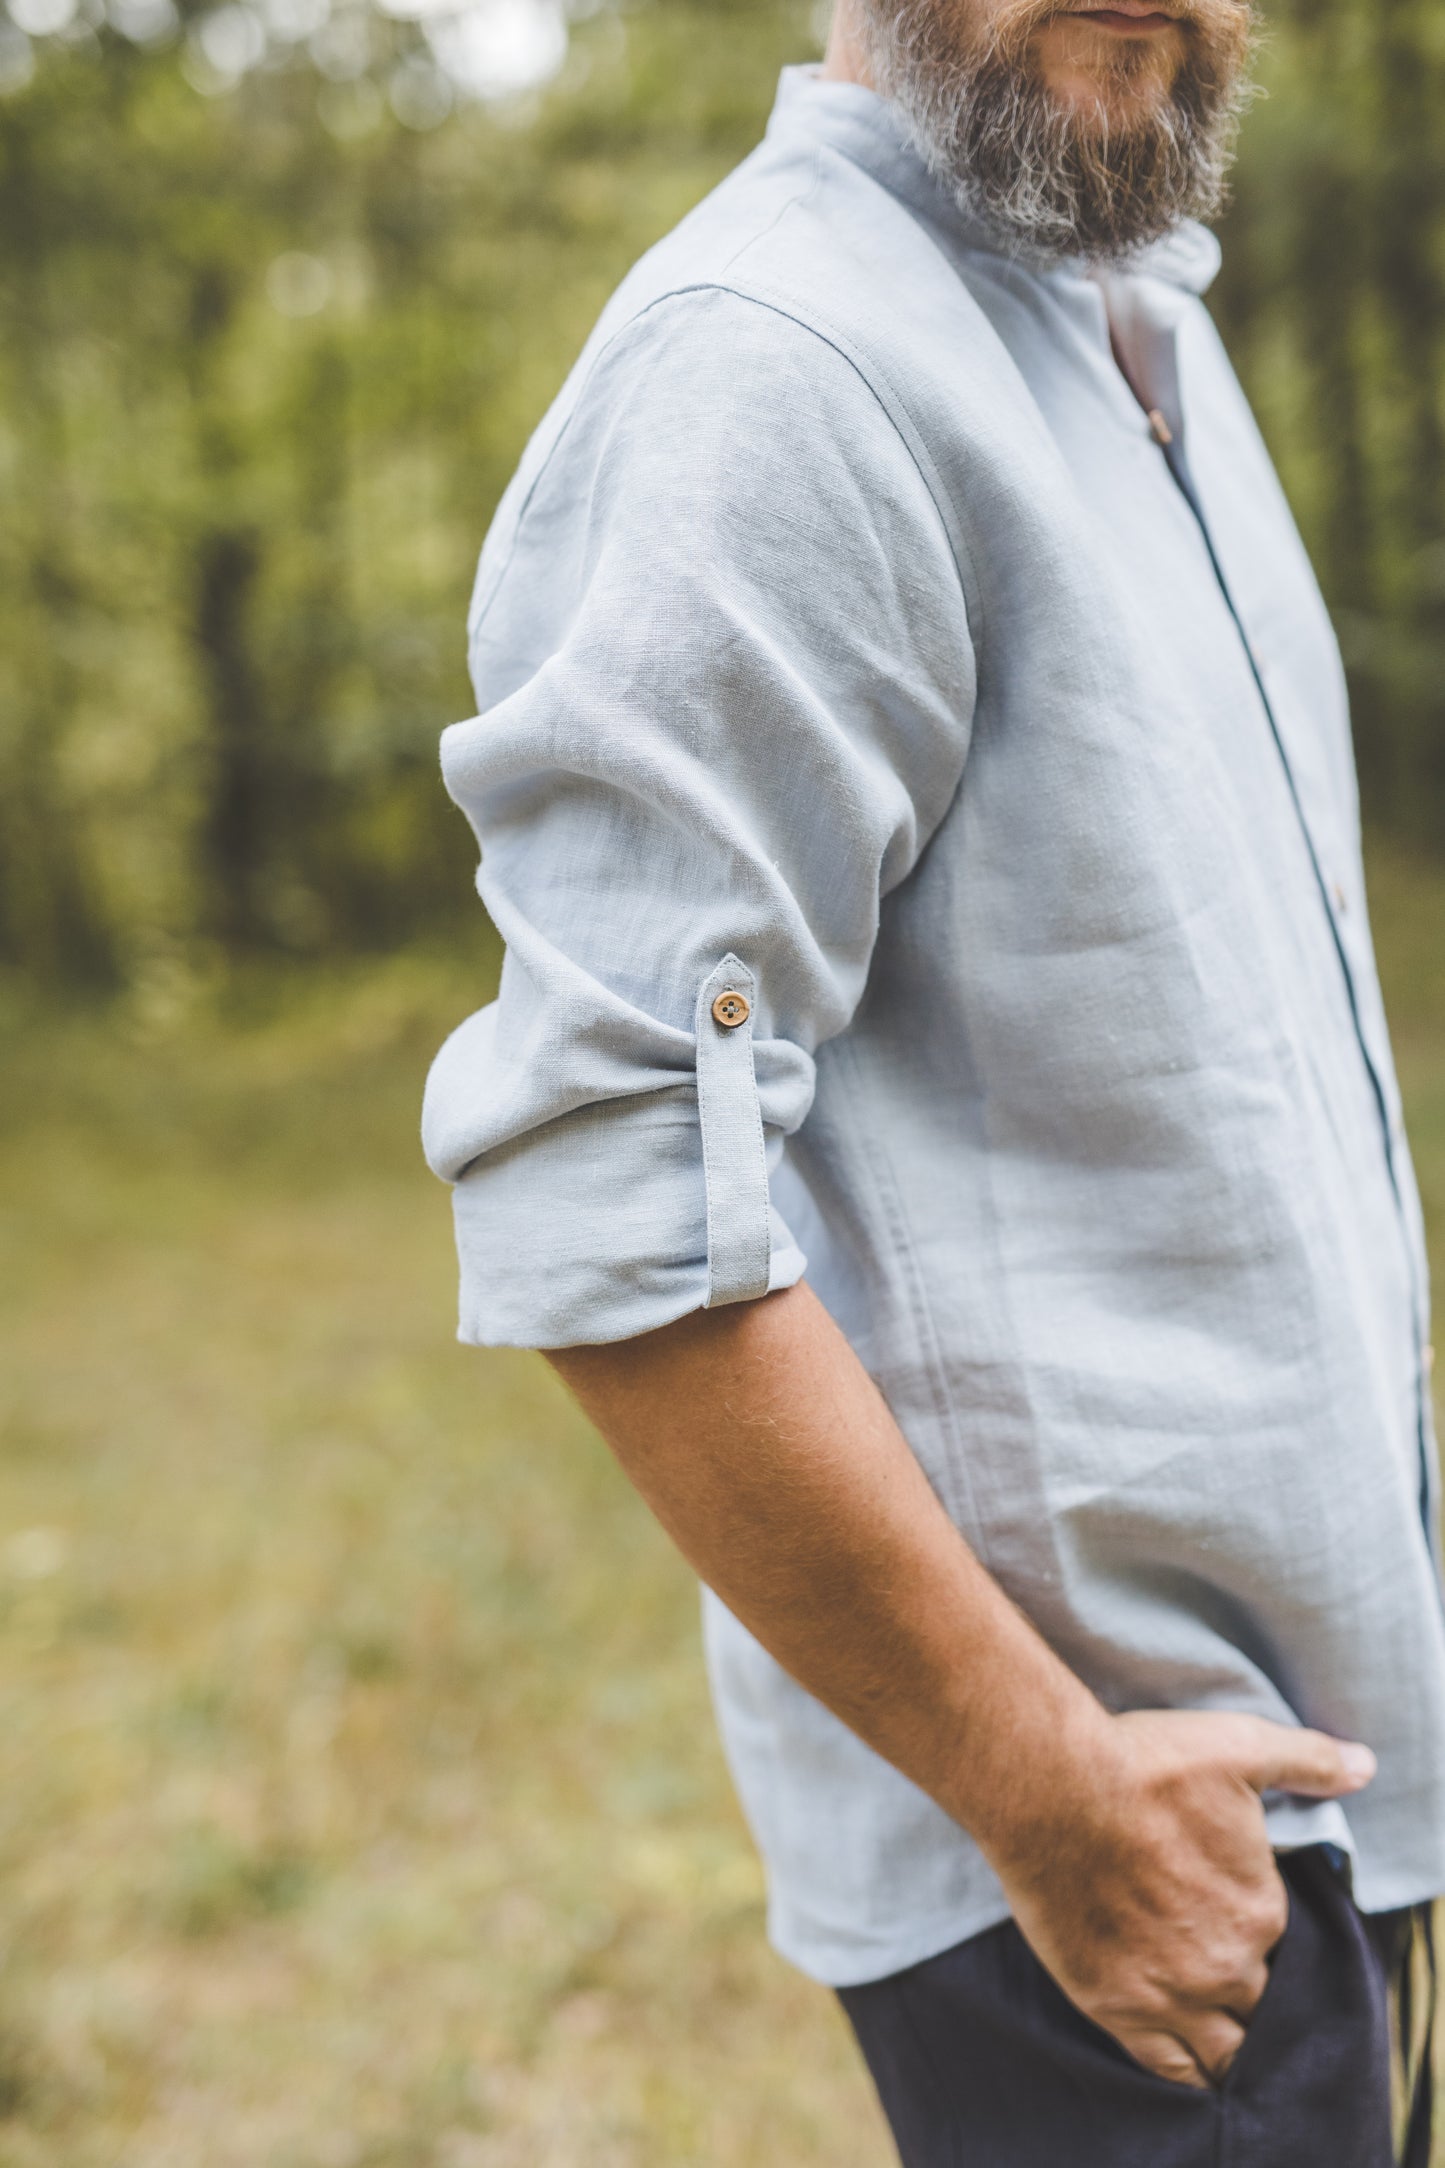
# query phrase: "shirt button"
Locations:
[[1342, 901], [731, 1009]]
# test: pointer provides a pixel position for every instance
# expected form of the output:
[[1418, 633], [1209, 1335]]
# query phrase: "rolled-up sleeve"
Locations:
[[726, 683]]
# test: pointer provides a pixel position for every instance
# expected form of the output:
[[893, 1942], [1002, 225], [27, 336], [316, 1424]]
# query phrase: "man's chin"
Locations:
[[1103, 105], [1096, 128]]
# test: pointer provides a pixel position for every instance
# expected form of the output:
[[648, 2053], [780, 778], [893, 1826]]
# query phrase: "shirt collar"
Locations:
[[869, 130]]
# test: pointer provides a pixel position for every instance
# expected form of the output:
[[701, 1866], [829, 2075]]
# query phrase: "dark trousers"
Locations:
[[982, 2062]]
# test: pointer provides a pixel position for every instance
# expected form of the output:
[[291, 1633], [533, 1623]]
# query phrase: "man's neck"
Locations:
[[846, 60]]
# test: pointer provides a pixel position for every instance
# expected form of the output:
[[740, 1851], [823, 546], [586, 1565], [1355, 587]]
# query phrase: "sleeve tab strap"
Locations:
[[739, 1228]]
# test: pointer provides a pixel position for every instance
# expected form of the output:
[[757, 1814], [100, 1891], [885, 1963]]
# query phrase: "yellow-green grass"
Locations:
[[360, 1802]]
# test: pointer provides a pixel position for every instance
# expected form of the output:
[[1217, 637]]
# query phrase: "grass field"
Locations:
[[360, 1804]]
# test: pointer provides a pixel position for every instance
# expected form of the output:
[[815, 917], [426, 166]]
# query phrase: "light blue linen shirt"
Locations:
[[850, 640]]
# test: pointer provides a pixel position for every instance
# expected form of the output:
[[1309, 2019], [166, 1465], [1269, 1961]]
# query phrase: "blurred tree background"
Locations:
[[286, 283], [285, 289]]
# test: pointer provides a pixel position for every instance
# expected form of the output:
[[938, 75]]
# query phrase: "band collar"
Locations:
[[870, 131]]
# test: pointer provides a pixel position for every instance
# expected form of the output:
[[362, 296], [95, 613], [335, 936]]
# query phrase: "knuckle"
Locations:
[[1239, 1735], [1266, 1915], [1194, 1979], [1247, 1992], [1272, 1920], [1241, 1740], [1217, 1977]]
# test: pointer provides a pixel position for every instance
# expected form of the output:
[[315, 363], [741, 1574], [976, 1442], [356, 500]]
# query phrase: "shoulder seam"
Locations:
[[892, 407], [895, 412]]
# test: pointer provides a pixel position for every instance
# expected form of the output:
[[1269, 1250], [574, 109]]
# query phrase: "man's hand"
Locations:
[[1155, 1902], [1132, 1848]]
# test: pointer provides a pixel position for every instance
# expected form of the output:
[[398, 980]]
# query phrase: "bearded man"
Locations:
[[938, 1115]]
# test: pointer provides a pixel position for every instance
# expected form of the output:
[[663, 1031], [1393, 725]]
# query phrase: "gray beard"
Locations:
[[1044, 183]]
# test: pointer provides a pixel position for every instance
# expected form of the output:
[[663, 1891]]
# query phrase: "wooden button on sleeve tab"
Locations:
[[731, 1009]]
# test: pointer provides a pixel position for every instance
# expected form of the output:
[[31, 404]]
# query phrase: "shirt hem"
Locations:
[[814, 1958], [832, 1965]]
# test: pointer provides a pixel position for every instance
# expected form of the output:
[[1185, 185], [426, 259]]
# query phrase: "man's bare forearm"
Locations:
[[764, 1448], [1133, 1849]]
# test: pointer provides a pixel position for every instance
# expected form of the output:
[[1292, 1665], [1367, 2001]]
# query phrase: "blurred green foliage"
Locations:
[[1332, 301], [265, 370], [279, 307]]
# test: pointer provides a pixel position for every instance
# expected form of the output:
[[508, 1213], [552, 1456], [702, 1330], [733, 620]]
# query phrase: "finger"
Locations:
[[1166, 2057], [1279, 1758], [1246, 1998], [1214, 2040]]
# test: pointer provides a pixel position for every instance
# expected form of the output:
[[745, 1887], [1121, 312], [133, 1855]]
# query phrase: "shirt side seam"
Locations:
[[874, 1156]]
